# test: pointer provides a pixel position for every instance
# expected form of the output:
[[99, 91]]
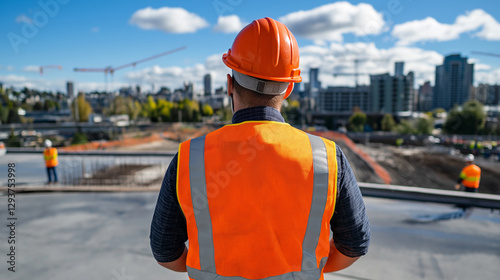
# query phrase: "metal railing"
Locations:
[[461, 198]]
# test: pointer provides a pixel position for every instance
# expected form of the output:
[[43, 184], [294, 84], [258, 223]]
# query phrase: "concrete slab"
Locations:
[[31, 172], [106, 236]]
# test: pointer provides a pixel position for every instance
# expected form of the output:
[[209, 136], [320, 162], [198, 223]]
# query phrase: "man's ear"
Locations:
[[229, 85], [288, 90]]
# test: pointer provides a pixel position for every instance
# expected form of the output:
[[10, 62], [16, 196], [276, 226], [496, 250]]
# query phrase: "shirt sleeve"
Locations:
[[349, 223], [168, 227]]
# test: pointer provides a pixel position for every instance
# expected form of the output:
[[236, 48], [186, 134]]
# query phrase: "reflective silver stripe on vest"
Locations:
[[200, 203], [313, 274], [309, 269], [318, 203]]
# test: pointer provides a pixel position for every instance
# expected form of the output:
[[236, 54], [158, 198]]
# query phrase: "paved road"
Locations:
[[105, 236]]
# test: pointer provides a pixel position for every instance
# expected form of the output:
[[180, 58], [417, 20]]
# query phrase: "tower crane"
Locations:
[[49, 66], [486, 53], [111, 70], [356, 73]]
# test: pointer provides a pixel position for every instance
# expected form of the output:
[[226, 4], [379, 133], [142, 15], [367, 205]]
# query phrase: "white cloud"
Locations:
[[487, 77], [174, 77], [170, 20], [32, 69], [331, 21], [339, 58], [95, 29], [480, 66], [8, 67], [23, 18], [20, 82], [429, 29], [229, 24], [43, 84]]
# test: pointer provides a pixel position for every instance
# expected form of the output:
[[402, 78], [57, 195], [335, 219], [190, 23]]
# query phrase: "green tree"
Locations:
[[292, 113], [206, 110], [38, 106], [149, 109], [84, 108], [357, 121], [13, 116], [4, 112], [190, 110], [424, 126], [136, 110], [225, 113], [13, 140], [438, 111], [49, 105], [118, 106], [79, 138], [164, 109], [388, 123], [124, 106], [469, 120], [405, 127]]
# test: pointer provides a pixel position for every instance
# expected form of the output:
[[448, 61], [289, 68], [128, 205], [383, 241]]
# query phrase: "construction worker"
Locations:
[[470, 175], [257, 198], [51, 162]]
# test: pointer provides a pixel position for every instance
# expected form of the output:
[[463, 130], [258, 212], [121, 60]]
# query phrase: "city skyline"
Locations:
[[382, 32]]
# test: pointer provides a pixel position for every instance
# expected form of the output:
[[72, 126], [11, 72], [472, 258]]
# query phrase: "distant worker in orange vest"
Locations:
[[259, 199], [470, 175], [51, 162]]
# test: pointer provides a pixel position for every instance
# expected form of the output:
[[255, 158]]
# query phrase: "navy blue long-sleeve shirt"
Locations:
[[349, 223]]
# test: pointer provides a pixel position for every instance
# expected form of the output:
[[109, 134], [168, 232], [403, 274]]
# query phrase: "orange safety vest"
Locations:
[[258, 198], [50, 156], [470, 175]]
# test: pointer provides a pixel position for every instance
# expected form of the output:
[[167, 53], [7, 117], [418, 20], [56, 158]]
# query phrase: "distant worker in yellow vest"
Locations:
[[258, 198], [470, 175], [51, 162]]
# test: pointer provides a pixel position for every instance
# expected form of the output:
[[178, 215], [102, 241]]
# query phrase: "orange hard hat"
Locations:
[[265, 49]]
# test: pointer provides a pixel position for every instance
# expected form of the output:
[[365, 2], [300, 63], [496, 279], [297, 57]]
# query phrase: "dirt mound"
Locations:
[[421, 167]]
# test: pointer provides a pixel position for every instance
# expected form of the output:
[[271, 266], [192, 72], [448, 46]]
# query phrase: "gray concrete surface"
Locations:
[[105, 236], [30, 168]]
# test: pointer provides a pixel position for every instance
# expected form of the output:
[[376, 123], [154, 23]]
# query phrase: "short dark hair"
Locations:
[[253, 99]]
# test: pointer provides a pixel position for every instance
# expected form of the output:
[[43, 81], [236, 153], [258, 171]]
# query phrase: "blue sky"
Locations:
[[96, 34]]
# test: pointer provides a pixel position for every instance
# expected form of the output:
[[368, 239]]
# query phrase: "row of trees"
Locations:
[[155, 110], [418, 126], [470, 119], [8, 109]]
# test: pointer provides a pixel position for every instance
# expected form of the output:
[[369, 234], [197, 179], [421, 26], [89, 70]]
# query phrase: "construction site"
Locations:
[[100, 213], [97, 101], [432, 166]]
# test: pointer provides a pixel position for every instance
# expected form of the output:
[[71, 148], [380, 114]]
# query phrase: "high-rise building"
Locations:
[[344, 99], [189, 90], [487, 94], [313, 88], [493, 95], [1, 86], [207, 82], [70, 91], [391, 94], [399, 69], [454, 81], [314, 83], [425, 97]]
